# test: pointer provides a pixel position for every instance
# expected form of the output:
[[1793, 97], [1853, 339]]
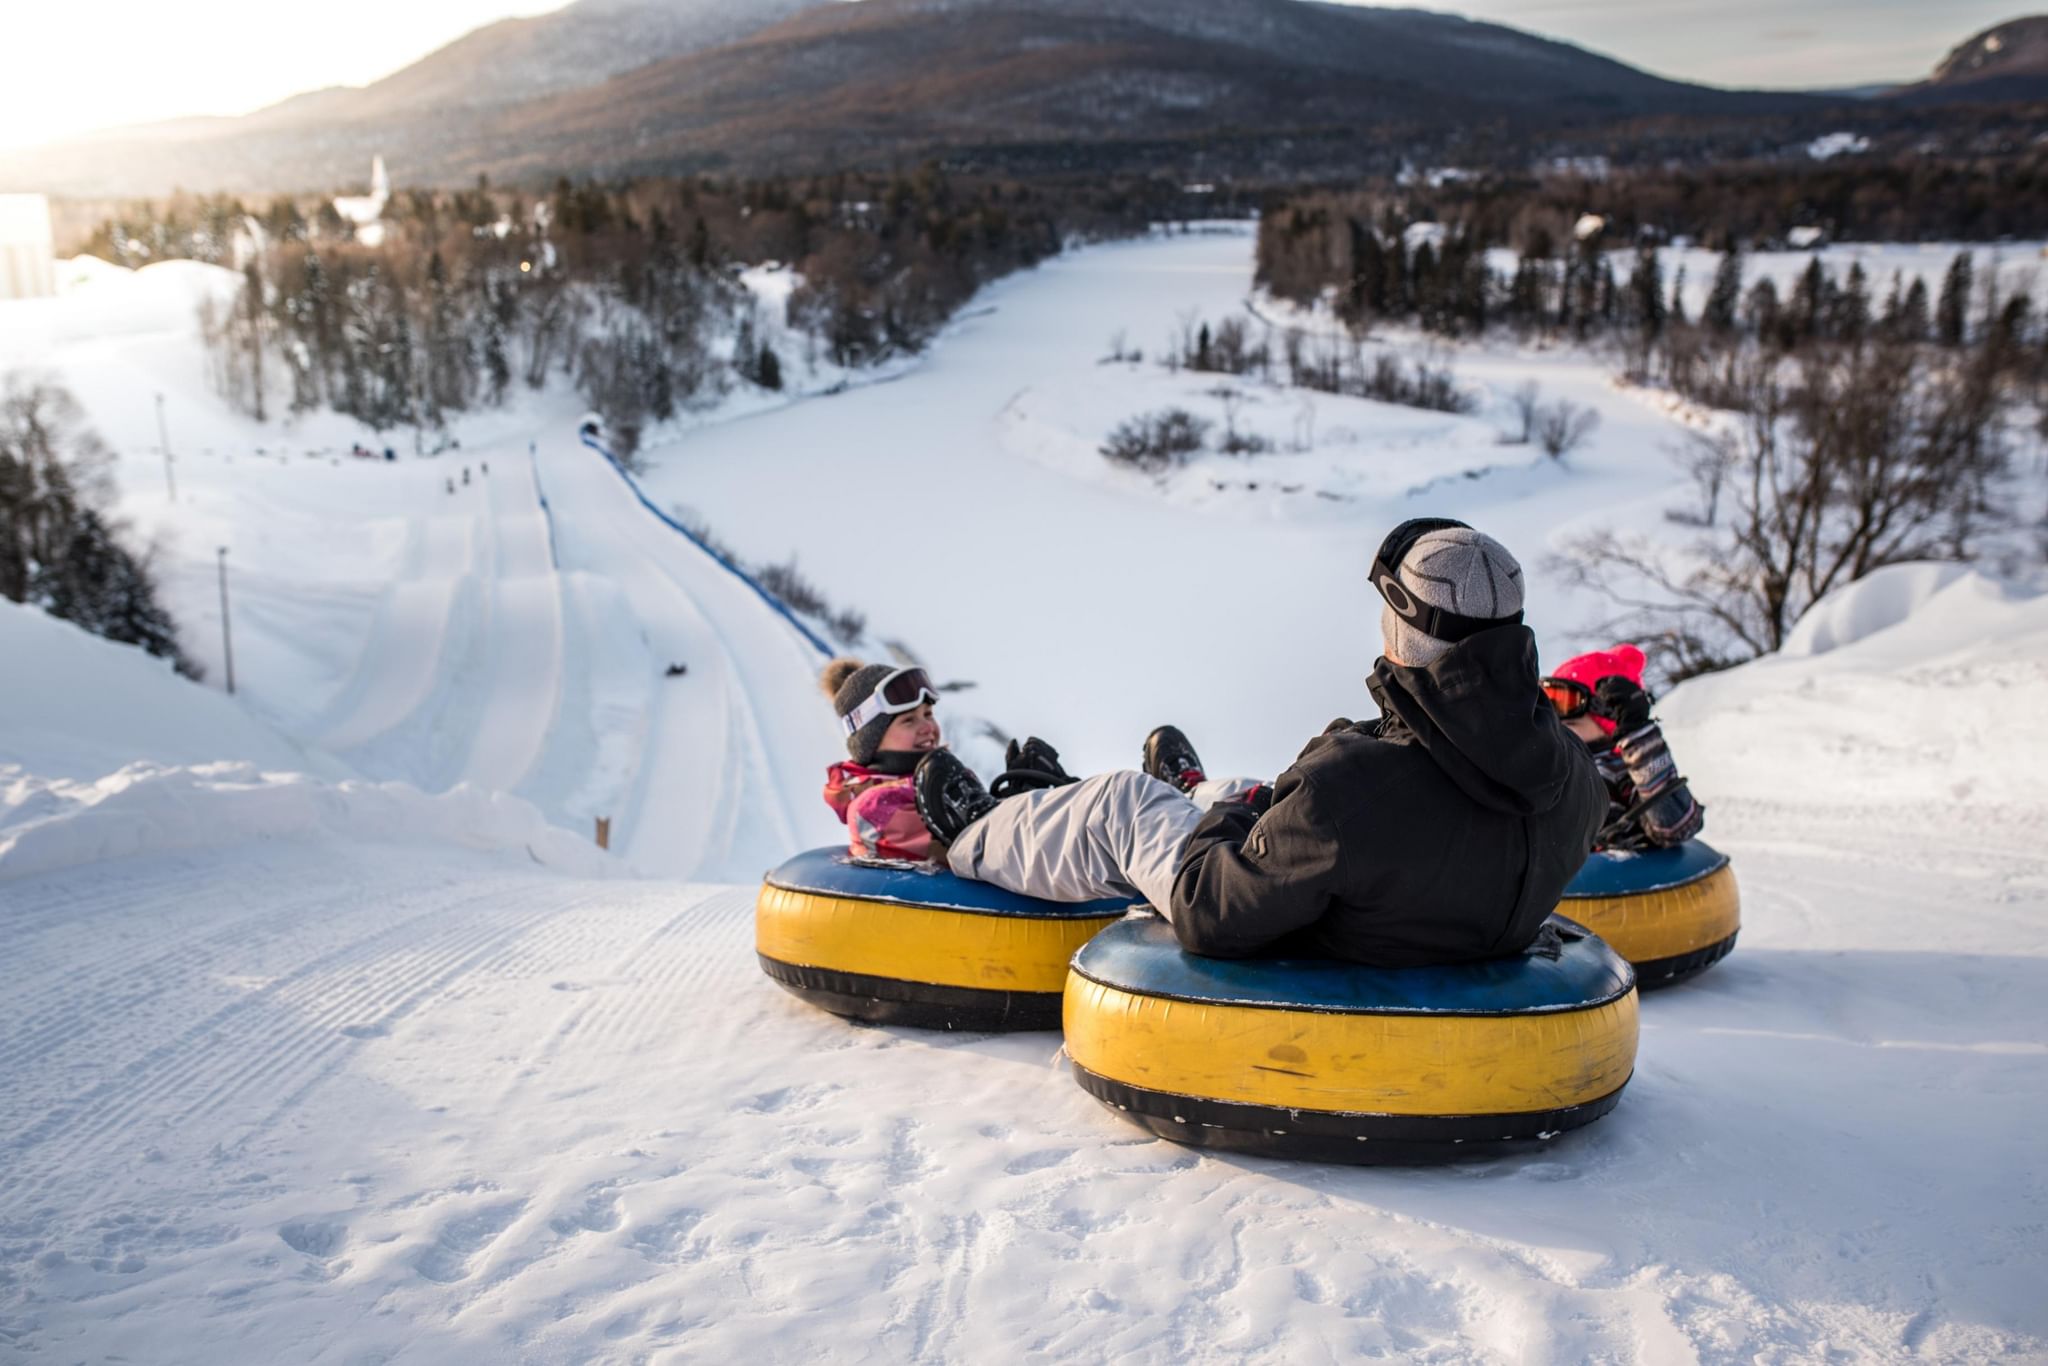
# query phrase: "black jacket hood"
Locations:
[[1480, 712]]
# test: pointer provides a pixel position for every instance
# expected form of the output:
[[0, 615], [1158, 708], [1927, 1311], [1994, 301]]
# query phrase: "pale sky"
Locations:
[[65, 71]]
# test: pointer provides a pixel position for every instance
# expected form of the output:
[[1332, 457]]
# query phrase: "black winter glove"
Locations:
[[1624, 703]]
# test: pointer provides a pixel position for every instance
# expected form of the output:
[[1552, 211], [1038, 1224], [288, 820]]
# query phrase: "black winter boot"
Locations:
[[1029, 767], [949, 797], [1171, 759]]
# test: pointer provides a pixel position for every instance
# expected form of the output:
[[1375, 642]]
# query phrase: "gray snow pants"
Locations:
[[1116, 834]]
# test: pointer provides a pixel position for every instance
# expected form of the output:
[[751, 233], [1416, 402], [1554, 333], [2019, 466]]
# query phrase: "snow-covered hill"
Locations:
[[319, 1042]]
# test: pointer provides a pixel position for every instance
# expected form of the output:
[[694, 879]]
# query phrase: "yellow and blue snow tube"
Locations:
[[912, 944], [1673, 913], [1336, 1062]]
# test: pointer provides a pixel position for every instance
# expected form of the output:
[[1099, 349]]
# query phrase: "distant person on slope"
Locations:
[[1600, 698], [1443, 832]]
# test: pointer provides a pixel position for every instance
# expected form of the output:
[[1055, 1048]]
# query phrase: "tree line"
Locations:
[[628, 290], [1847, 423]]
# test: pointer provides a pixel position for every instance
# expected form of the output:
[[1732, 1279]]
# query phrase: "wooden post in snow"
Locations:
[[604, 832]]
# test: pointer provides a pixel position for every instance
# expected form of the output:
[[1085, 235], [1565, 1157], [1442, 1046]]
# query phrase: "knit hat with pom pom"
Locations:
[[848, 682]]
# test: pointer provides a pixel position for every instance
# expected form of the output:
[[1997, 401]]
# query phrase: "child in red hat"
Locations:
[[1599, 696]]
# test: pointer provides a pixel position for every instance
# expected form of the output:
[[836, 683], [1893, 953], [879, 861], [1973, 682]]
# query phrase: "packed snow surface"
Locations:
[[326, 1035]]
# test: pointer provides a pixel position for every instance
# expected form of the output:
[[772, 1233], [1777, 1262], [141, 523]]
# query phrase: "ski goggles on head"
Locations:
[[1571, 698], [1439, 623], [899, 692]]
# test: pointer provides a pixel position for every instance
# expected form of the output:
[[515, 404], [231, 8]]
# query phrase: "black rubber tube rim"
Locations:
[[1331, 1136], [1682, 967], [920, 1005]]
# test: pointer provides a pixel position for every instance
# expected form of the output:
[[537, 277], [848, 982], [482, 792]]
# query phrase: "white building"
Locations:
[[28, 267], [366, 210]]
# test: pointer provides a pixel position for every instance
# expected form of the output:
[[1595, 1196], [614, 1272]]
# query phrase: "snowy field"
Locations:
[[326, 1036]]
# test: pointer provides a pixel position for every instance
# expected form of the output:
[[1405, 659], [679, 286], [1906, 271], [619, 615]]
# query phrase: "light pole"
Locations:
[[227, 640], [164, 435]]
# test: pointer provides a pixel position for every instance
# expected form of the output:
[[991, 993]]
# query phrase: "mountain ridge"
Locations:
[[1285, 88]]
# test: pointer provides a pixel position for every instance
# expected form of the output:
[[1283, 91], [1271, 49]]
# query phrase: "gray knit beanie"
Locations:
[[1457, 568], [848, 682]]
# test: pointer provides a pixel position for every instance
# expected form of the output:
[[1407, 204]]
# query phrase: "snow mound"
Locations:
[[79, 706], [1923, 683], [105, 753], [48, 824], [1869, 605]]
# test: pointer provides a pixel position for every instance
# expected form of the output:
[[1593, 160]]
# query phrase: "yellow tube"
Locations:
[[1352, 1063], [1644, 927], [919, 943]]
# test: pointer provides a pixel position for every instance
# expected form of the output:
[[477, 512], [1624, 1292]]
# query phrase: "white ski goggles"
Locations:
[[902, 691]]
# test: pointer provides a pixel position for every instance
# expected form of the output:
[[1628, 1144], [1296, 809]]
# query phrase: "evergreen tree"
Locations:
[[449, 373], [1809, 301], [1891, 319], [1525, 293], [1851, 321], [1762, 310], [1913, 318], [56, 549], [1725, 298], [252, 318], [1952, 313], [97, 584], [1646, 293]]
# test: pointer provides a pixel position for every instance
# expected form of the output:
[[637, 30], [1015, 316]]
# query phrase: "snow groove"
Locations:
[[293, 1023]]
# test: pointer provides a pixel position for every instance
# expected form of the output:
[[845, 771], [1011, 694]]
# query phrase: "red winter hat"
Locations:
[[1590, 668]]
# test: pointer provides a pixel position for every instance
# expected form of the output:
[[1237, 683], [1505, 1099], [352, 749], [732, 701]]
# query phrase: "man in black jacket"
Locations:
[[1443, 832]]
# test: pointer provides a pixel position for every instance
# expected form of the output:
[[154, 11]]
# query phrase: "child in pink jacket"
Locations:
[[887, 714]]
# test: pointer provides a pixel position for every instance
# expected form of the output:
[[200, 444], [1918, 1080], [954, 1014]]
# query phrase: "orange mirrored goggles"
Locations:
[[1571, 697]]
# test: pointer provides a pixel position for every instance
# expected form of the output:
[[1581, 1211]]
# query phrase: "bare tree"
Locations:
[[1843, 461]]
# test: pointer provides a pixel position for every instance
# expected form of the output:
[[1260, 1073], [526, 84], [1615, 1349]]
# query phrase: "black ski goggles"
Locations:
[[1438, 622], [902, 691]]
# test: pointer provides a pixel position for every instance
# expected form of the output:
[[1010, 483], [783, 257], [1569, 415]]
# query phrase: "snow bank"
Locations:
[[79, 706], [48, 824], [96, 301], [105, 753], [1920, 684]]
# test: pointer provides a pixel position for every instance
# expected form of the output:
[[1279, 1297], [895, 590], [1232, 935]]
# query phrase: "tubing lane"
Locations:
[[734, 746], [522, 677]]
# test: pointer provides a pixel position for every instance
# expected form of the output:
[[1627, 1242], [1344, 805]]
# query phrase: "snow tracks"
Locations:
[[515, 655]]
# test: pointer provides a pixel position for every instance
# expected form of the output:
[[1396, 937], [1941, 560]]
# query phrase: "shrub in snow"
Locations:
[[785, 581], [1524, 402], [1156, 442], [1562, 427]]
